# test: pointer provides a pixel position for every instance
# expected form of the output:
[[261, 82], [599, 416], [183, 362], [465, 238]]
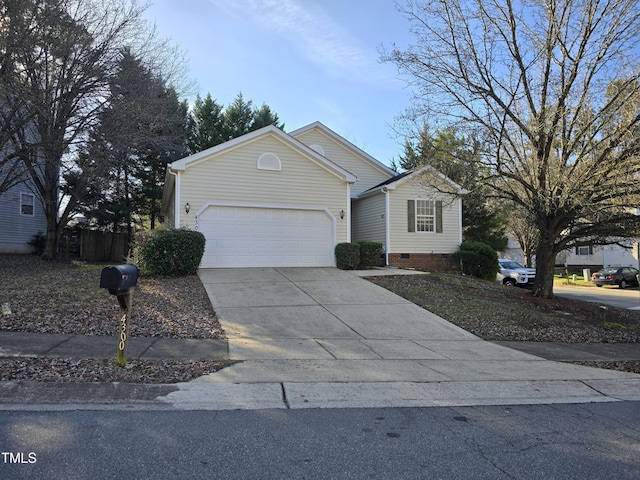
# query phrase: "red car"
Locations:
[[620, 276]]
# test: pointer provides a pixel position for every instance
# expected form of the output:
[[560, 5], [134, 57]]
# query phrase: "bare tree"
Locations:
[[524, 231], [555, 85], [57, 60], [11, 170]]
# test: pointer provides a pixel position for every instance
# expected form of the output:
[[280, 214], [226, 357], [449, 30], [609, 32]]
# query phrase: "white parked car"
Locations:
[[513, 274]]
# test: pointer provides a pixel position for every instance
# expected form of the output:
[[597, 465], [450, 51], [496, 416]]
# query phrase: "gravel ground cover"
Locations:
[[494, 312], [64, 297]]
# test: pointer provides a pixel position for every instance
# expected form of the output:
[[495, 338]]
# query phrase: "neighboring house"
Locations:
[[593, 257], [513, 250], [21, 217], [270, 199], [21, 213], [596, 257], [623, 254]]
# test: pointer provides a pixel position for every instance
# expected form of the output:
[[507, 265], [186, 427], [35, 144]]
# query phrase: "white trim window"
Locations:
[[27, 204], [425, 215], [584, 250]]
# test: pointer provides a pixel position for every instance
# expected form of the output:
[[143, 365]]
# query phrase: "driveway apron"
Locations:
[[323, 337]]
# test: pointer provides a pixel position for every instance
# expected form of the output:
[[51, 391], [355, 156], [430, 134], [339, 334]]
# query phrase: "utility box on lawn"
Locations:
[[119, 278]]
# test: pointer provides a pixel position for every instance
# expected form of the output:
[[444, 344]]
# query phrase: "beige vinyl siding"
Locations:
[[232, 177], [368, 219], [403, 241], [367, 174]]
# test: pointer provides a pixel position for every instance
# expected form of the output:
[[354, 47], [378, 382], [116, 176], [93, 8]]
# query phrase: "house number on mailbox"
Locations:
[[123, 332]]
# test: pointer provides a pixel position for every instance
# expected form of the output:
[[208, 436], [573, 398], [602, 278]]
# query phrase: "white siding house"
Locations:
[[598, 256], [270, 198]]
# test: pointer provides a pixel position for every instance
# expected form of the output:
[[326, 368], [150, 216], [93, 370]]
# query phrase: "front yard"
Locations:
[[52, 297], [49, 297]]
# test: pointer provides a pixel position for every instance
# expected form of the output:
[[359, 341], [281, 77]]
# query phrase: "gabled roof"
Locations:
[[403, 177], [345, 143], [184, 163]]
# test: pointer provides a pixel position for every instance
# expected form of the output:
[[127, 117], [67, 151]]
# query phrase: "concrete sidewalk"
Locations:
[[322, 337], [20, 344], [23, 344]]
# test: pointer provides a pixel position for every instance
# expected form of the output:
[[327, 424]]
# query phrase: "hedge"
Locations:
[[347, 255], [370, 253], [171, 252], [479, 260]]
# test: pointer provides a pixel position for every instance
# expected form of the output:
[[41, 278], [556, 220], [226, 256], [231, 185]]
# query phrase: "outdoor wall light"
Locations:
[[187, 207], [341, 214]]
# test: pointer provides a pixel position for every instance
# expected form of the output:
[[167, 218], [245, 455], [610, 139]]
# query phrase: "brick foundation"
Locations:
[[436, 262]]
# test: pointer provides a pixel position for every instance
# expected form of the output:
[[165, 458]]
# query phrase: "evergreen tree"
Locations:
[[263, 117], [209, 124], [238, 118], [206, 124], [141, 131]]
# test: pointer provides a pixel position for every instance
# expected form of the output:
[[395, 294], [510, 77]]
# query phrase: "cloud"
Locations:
[[311, 31]]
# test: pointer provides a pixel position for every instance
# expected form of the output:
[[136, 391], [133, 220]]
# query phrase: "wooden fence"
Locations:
[[96, 246]]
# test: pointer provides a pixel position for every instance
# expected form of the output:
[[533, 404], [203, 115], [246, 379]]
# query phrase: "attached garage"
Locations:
[[261, 200], [267, 236]]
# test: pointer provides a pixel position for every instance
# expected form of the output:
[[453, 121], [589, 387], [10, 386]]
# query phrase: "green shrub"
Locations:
[[479, 260], [370, 253], [38, 242], [347, 255], [169, 252]]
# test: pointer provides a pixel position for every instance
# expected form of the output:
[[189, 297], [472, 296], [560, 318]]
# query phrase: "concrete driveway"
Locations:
[[323, 337], [315, 313]]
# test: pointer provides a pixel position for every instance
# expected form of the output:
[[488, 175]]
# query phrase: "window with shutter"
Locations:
[[424, 215]]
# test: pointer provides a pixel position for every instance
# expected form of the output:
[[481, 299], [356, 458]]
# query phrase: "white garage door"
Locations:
[[266, 237]]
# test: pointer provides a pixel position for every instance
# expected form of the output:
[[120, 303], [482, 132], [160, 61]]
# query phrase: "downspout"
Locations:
[[348, 213], [460, 221], [387, 233], [176, 203]]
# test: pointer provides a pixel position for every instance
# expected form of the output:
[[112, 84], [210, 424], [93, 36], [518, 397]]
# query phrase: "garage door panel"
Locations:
[[257, 237]]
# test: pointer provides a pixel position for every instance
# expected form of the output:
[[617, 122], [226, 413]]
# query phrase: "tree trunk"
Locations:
[[51, 247], [49, 194], [545, 265]]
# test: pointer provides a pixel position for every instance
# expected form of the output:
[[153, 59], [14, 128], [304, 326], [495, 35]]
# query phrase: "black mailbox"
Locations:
[[119, 278]]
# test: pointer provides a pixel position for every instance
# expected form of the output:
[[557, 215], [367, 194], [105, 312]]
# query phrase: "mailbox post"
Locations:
[[120, 280]]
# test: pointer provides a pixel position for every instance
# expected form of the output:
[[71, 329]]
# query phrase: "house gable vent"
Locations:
[[269, 161], [317, 149]]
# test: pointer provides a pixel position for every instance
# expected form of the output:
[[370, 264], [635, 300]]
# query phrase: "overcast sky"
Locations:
[[309, 60]]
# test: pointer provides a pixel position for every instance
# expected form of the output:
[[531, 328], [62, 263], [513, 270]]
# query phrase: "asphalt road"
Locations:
[[595, 441], [622, 298]]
